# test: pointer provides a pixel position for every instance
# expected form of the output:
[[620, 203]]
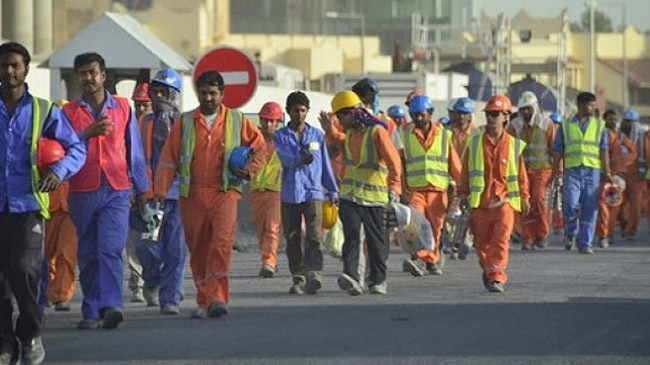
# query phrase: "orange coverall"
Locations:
[[430, 200], [265, 211], [61, 246], [209, 214], [535, 226], [634, 192], [492, 222]]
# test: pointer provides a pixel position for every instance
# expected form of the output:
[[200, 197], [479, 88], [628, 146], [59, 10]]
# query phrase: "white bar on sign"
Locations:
[[235, 77]]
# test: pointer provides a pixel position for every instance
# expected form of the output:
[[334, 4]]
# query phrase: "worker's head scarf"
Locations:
[[166, 110], [367, 119], [537, 119]]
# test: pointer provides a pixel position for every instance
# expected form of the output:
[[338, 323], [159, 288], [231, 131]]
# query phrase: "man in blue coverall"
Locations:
[[24, 118], [100, 194], [163, 263], [583, 143]]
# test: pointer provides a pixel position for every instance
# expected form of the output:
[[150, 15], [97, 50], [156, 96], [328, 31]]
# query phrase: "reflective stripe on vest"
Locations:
[[40, 111], [188, 143], [367, 180], [536, 154], [425, 168], [582, 149], [476, 165], [269, 176]]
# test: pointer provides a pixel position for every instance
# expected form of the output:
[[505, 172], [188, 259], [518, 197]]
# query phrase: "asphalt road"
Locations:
[[559, 308]]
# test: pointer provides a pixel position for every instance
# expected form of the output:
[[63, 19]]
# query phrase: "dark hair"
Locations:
[[608, 112], [88, 58], [297, 97], [585, 97], [211, 78], [13, 47]]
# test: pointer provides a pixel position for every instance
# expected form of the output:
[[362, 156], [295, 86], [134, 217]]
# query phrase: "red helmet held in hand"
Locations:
[[49, 152]]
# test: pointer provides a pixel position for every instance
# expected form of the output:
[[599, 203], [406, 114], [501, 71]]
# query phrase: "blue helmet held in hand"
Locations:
[[240, 158]]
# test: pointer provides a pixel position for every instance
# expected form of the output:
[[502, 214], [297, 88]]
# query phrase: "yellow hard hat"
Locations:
[[330, 215], [345, 99]]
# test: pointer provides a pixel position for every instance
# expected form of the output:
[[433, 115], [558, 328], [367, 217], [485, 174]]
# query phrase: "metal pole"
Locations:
[[625, 69], [592, 48], [363, 45]]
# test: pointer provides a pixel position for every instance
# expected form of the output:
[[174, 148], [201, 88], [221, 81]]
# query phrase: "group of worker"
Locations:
[[128, 166]]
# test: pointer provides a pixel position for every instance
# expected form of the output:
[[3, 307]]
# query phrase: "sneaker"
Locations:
[[267, 271], [314, 282], [10, 355], [495, 287], [32, 352], [217, 309], [526, 246], [298, 287], [170, 309], [151, 297], [463, 251], [413, 267], [137, 296], [603, 242], [434, 269], [89, 324], [112, 317], [586, 250], [379, 288], [199, 313], [541, 243], [62, 306], [569, 243], [349, 284]]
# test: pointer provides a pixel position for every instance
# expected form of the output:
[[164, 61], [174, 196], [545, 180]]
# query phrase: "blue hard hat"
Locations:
[[396, 111], [168, 77], [364, 85], [420, 103], [556, 117], [444, 120], [240, 158], [631, 115], [464, 105]]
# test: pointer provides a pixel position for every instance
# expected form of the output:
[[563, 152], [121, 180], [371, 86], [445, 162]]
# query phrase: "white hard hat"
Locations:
[[528, 98]]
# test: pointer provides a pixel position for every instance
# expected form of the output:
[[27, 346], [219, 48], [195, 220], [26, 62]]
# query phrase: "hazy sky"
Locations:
[[638, 11]]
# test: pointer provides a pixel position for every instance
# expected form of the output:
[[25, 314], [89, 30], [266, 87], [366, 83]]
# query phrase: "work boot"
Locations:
[[217, 309], [541, 243], [314, 282], [170, 309], [381, 288], [495, 287], [151, 296], [199, 313], [298, 286], [603, 242], [569, 243], [89, 324], [267, 271], [32, 352], [434, 269], [62, 306], [349, 284], [137, 296], [586, 250], [414, 267], [113, 316], [463, 251]]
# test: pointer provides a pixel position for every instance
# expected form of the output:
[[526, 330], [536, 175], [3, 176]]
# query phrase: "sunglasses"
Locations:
[[492, 114]]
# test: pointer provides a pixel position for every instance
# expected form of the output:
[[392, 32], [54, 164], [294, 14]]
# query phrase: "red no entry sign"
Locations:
[[237, 69]]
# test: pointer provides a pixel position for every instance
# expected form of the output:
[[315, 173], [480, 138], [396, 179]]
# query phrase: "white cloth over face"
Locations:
[[537, 119]]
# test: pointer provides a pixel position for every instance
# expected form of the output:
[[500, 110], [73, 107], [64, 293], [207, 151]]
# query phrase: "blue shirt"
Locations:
[[135, 152], [558, 144], [15, 145], [302, 183]]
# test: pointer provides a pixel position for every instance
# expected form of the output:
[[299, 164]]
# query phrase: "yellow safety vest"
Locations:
[[582, 149], [537, 154], [40, 111], [366, 180], [476, 166], [188, 142], [431, 167], [269, 176]]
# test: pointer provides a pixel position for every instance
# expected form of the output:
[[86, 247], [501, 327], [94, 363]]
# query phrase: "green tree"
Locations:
[[603, 23]]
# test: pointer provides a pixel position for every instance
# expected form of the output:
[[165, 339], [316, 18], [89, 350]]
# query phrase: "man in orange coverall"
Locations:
[[607, 215], [199, 149], [636, 173], [265, 193], [431, 163], [61, 246], [539, 133], [495, 185]]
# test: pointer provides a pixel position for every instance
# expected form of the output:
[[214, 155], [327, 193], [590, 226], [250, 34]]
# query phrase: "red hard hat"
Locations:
[[141, 93], [49, 152], [498, 103], [271, 110], [413, 93]]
